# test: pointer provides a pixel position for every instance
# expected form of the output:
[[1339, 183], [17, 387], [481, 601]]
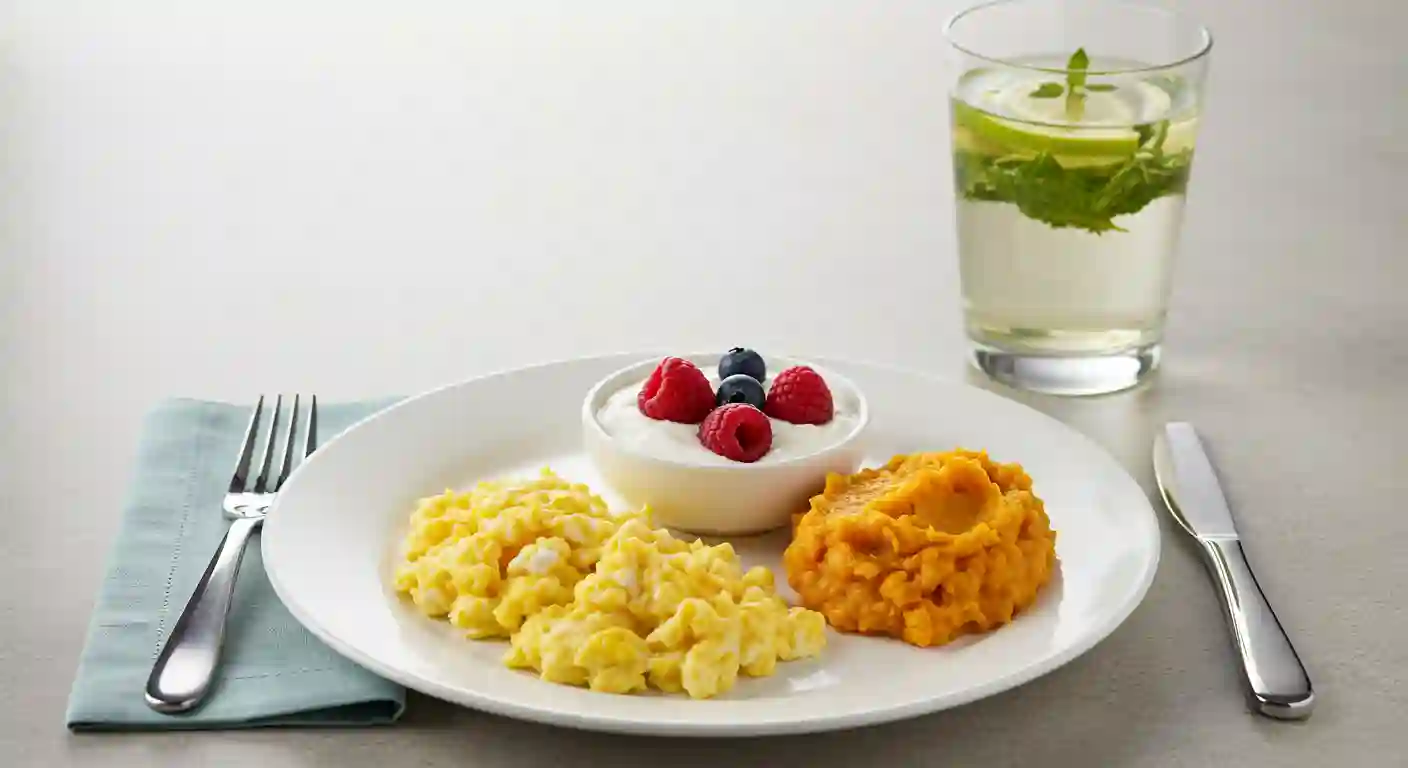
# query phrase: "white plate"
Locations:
[[330, 541]]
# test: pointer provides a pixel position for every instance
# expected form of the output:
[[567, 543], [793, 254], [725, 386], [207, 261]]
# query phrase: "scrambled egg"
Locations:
[[926, 548], [595, 599]]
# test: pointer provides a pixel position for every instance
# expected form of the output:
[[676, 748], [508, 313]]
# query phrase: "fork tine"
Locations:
[[262, 484], [286, 461], [310, 437], [241, 477]]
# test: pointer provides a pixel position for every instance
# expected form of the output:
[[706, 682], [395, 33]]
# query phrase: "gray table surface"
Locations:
[[372, 201]]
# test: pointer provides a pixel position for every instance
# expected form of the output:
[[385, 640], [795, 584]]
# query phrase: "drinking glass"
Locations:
[[1074, 124]]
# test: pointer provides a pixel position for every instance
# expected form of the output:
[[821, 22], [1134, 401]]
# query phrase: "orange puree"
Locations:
[[926, 548]]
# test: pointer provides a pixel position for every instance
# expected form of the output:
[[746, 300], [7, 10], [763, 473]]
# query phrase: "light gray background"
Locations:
[[352, 200]]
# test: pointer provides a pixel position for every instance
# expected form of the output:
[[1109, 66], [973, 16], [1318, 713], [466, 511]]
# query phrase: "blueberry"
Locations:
[[744, 361], [740, 388]]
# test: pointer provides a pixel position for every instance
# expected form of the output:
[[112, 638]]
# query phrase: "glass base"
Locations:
[[1068, 375]]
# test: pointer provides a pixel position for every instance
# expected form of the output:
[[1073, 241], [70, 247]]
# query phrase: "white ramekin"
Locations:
[[710, 499]]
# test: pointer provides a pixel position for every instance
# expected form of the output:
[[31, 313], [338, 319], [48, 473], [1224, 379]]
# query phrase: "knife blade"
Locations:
[[1276, 680]]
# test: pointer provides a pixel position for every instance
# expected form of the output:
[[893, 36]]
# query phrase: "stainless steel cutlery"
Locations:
[[1277, 681], [181, 677]]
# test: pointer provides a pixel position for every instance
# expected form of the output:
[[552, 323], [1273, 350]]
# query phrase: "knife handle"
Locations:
[[1278, 683]]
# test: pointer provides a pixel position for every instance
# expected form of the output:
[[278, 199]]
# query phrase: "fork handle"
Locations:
[[183, 672]]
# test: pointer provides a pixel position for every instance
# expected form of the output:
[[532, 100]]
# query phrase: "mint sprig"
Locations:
[[1084, 197], [1087, 197], [1075, 85], [1152, 135], [1076, 68]]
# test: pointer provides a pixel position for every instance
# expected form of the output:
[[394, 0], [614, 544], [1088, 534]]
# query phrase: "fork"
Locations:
[[181, 677]]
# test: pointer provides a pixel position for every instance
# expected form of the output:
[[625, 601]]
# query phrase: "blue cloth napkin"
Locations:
[[273, 672]]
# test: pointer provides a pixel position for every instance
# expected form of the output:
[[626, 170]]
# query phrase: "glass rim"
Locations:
[[1204, 47]]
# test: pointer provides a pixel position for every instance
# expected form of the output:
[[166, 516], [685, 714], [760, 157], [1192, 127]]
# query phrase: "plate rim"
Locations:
[[607, 723]]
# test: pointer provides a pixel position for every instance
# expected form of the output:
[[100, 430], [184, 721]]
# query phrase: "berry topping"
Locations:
[[676, 391], [744, 361], [741, 388], [737, 431], [800, 395]]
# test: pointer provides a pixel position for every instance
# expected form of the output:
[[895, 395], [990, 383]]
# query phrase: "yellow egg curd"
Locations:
[[587, 597]]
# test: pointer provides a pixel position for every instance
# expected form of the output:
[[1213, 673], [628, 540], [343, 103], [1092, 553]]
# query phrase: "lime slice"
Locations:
[[1010, 116], [985, 132]]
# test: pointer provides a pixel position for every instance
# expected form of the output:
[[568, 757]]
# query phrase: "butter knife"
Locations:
[[1278, 684]]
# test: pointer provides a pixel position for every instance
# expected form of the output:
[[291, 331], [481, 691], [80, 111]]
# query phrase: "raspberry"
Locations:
[[800, 395], [737, 431], [676, 391]]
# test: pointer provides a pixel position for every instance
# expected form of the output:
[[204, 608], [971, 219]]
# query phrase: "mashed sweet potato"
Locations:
[[926, 548]]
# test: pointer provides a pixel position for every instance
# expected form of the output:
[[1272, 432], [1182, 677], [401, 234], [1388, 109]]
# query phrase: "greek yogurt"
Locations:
[[620, 416]]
